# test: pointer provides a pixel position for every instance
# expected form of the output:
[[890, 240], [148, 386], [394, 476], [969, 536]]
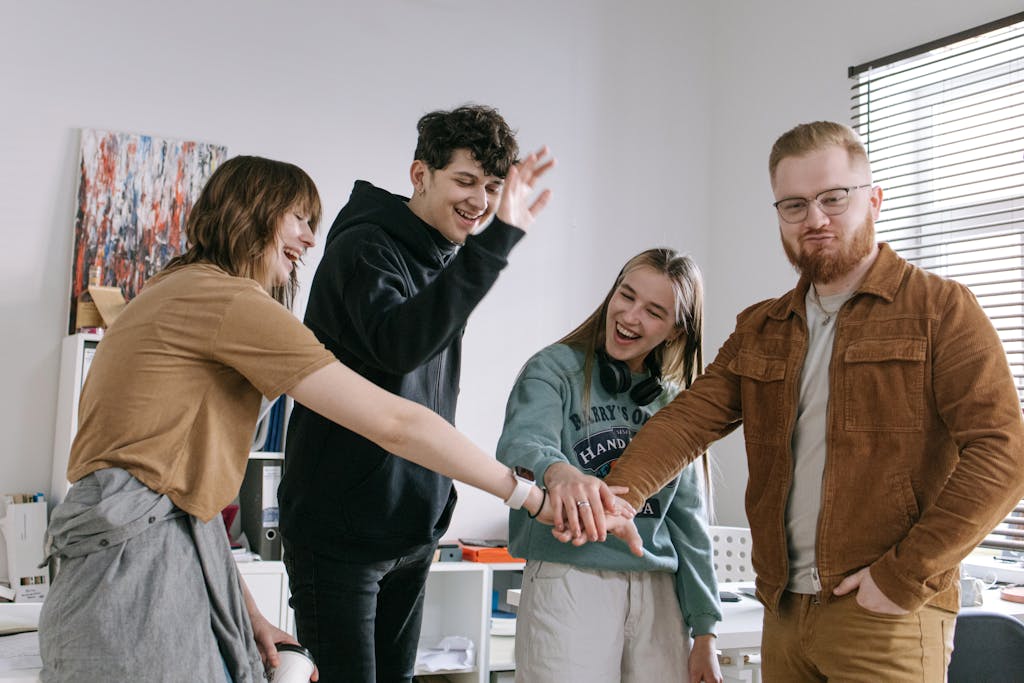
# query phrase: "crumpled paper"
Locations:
[[453, 652]]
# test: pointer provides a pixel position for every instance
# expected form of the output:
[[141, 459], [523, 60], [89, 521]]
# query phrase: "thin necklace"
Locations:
[[817, 302]]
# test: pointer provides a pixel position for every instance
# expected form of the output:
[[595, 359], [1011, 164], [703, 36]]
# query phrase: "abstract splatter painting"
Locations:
[[134, 194]]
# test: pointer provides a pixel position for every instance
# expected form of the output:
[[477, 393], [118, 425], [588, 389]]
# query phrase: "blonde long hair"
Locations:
[[681, 357]]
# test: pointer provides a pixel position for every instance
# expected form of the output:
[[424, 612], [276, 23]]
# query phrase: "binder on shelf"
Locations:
[[269, 436], [258, 510]]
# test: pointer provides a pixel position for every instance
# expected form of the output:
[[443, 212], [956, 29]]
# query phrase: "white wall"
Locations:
[[661, 113], [337, 88]]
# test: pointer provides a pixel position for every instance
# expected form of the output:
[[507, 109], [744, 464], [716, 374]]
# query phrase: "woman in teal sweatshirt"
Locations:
[[598, 612]]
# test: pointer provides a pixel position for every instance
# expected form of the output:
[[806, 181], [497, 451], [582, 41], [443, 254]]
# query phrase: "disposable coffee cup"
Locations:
[[296, 664]]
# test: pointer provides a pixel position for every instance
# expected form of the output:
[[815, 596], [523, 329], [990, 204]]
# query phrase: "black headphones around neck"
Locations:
[[616, 377]]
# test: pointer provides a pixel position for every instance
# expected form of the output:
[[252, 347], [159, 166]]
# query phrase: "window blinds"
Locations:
[[944, 127]]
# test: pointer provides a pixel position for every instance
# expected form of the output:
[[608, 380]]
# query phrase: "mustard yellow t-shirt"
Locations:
[[174, 389]]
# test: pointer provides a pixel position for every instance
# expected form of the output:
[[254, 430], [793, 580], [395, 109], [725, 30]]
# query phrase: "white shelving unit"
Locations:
[[76, 353], [75, 356], [501, 649], [457, 602], [267, 581]]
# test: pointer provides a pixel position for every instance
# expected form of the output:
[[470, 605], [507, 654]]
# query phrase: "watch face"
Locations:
[[524, 473]]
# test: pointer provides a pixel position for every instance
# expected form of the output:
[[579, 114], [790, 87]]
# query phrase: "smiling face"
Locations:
[[457, 199], [294, 235], [640, 316], [827, 248]]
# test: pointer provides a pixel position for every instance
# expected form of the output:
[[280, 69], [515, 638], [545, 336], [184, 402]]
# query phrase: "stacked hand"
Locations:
[[584, 508], [515, 208]]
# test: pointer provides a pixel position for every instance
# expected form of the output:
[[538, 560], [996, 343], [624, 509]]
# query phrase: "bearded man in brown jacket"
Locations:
[[883, 433]]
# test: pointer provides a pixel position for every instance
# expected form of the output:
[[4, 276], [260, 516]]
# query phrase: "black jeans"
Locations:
[[361, 620]]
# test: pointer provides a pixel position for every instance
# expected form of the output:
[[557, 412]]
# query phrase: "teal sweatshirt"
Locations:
[[545, 424]]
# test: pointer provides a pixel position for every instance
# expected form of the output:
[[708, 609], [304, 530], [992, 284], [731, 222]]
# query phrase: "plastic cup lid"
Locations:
[[289, 647]]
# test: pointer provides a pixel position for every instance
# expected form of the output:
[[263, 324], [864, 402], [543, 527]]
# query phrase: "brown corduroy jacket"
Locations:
[[924, 433]]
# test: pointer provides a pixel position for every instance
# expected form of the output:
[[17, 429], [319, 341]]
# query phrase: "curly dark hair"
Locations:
[[476, 128]]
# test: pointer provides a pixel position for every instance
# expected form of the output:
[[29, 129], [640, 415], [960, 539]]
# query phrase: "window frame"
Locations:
[[943, 124]]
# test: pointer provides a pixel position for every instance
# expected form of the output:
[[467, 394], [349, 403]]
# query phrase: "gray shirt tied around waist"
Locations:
[[130, 562]]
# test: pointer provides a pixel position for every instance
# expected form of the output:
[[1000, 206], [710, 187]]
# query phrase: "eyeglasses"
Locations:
[[831, 202]]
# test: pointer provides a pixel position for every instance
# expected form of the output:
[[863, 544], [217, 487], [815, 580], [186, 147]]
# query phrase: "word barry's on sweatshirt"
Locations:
[[610, 413]]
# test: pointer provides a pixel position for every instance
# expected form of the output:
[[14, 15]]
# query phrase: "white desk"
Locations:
[[994, 603], [17, 616], [739, 633], [741, 621], [267, 583], [987, 568]]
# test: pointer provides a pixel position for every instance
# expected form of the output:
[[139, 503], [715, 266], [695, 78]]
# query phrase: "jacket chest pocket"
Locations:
[[762, 391], [884, 384]]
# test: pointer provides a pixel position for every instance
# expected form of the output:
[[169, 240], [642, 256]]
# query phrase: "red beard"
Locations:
[[825, 266]]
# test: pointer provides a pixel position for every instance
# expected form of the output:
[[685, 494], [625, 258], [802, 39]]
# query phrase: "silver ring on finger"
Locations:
[[582, 503]]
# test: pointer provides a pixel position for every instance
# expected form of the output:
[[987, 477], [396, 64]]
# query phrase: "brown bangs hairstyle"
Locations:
[[235, 219]]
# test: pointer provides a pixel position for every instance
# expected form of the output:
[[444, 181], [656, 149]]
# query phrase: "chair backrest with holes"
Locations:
[[732, 553]]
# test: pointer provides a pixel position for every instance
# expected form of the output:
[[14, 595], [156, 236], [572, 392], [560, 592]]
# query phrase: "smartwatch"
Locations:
[[520, 493]]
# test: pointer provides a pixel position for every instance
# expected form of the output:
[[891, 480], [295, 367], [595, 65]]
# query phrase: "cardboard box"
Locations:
[[110, 302], [24, 531], [99, 309]]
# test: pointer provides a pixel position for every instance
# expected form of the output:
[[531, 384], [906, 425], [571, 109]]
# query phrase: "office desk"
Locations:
[[16, 616], [739, 633], [993, 603], [741, 621], [267, 583]]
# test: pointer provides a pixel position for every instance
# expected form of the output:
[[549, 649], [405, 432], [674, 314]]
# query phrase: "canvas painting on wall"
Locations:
[[134, 194]]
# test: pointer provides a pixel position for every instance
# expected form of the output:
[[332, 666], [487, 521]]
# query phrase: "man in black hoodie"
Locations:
[[390, 298]]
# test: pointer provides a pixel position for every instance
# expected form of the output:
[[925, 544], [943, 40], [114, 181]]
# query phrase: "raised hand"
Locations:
[[515, 207]]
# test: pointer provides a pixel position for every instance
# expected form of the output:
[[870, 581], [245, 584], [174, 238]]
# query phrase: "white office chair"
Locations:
[[732, 563], [732, 553]]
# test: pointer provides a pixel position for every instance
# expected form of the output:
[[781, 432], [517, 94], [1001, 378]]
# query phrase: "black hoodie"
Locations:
[[390, 299]]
